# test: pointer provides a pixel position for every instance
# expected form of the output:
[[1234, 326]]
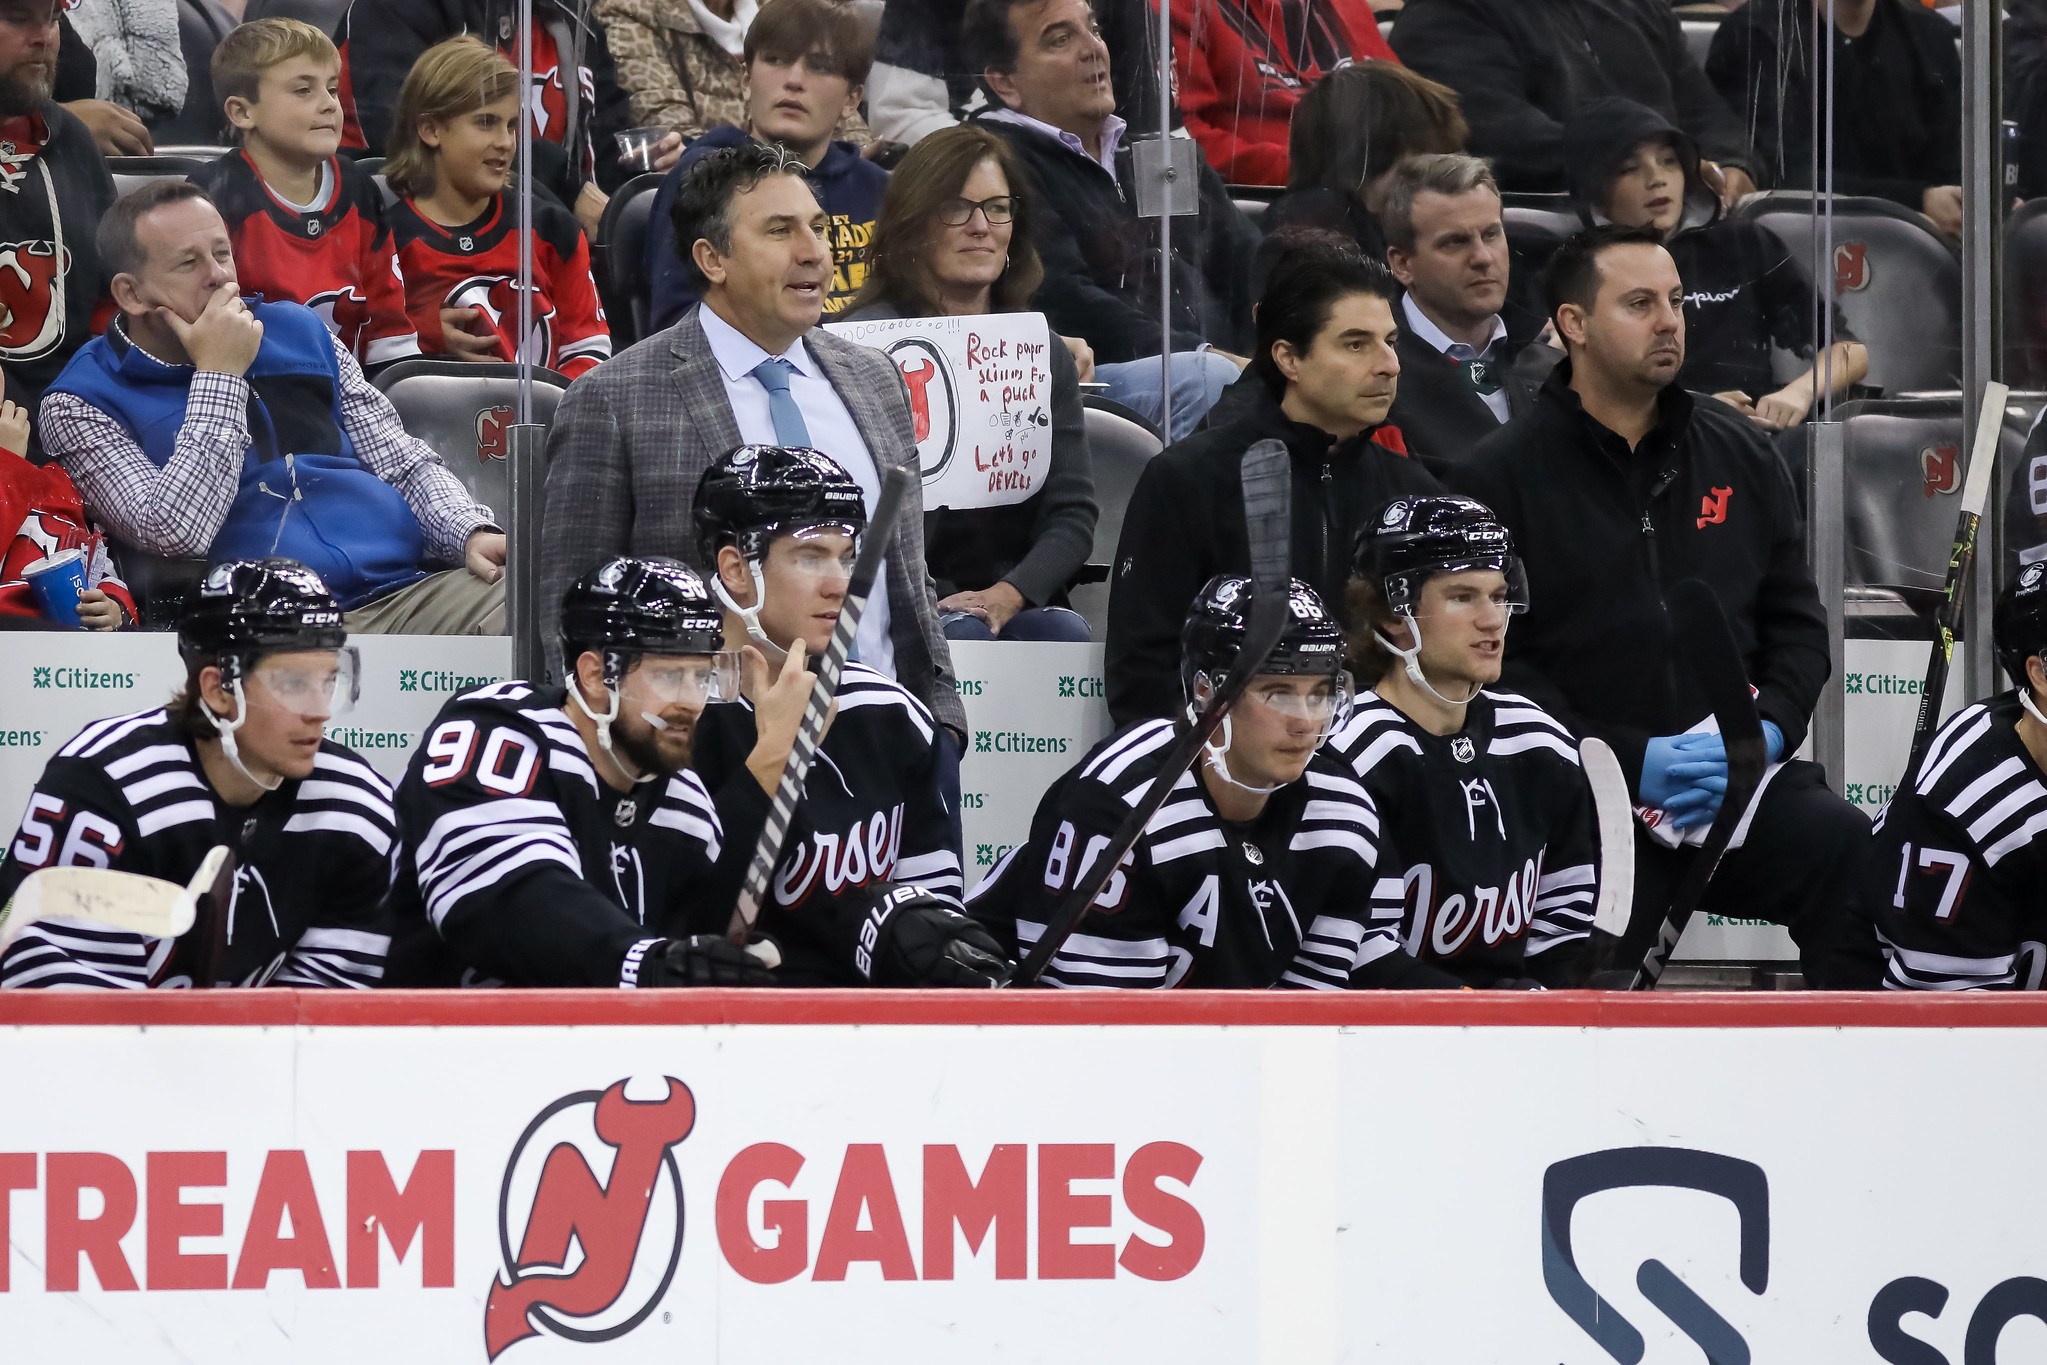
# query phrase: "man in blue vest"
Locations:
[[204, 423]]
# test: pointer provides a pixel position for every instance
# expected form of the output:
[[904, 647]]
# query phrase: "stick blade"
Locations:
[[113, 900], [1615, 815]]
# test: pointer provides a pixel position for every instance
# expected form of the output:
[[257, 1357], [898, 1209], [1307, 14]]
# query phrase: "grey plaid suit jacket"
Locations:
[[632, 437]]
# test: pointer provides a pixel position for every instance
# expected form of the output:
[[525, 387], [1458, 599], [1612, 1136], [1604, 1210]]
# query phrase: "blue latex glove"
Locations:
[[1773, 740], [1686, 775]]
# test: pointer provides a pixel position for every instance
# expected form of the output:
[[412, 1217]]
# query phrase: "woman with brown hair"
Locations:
[[954, 241]]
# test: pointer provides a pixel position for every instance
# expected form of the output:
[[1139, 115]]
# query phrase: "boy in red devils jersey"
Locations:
[[458, 230], [1480, 789], [1954, 882], [41, 506], [782, 525], [237, 758], [555, 836], [307, 226], [1260, 868]]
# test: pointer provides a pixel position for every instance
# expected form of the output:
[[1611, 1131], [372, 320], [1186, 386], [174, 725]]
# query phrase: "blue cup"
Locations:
[[57, 581]]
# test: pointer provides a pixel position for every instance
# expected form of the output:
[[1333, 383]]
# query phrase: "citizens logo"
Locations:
[[1016, 742], [1741, 1183], [1082, 687], [628, 1229], [438, 680], [90, 679]]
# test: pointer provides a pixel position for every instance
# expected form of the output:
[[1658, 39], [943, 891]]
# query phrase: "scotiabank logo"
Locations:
[[629, 1228]]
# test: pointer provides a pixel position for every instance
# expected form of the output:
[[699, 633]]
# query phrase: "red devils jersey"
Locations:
[[477, 266], [338, 260], [40, 515]]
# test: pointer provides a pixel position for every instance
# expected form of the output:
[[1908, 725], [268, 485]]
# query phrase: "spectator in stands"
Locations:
[[955, 240], [684, 64], [1448, 249], [1743, 290], [308, 227], [1523, 68], [574, 120], [202, 424], [1241, 66], [806, 61], [1329, 372], [59, 188], [139, 63], [747, 365], [1349, 131], [1616, 486], [117, 131], [457, 230], [1046, 62], [1896, 92], [40, 516]]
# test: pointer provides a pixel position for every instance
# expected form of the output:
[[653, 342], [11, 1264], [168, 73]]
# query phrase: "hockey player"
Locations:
[[1954, 882], [458, 231], [782, 527], [1480, 790], [1260, 868], [554, 836], [237, 758]]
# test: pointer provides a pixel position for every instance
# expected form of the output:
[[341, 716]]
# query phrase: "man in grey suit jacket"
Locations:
[[748, 364]]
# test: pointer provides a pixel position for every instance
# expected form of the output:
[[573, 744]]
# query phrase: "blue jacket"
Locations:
[[848, 189], [304, 491]]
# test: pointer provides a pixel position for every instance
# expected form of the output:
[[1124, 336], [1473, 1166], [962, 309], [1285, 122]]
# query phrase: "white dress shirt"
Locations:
[[1418, 323], [831, 430], [1112, 135]]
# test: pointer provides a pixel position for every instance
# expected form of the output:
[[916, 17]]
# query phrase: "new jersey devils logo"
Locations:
[[491, 442], [1851, 267], [1942, 467], [934, 403], [497, 298], [31, 298], [629, 1229]]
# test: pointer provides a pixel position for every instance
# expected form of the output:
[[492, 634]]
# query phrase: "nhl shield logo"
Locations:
[[1942, 468], [626, 813], [1851, 267], [1461, 749], [1253, 854]]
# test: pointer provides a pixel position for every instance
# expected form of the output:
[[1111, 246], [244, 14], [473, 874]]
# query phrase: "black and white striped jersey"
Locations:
[[1957, 883], [313, 865], [522, 867], [1284, 900], [871, 811], [1495, 845]]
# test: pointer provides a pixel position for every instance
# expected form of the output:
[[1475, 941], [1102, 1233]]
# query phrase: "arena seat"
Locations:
[[133, 172], [162, 585], [1699, 37], [1253, 200], [1534, 233], [461, 408], [324, 15], [1898, 283], [2025, 293], [628, 293], [1120, 443]]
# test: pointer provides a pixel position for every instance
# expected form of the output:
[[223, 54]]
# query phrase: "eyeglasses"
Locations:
[[956, 212]]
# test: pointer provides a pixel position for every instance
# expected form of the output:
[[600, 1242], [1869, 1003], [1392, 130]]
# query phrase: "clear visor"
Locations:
[[1324, 699], [1405, 592], [688, 680], [312, 684], [811, 555]]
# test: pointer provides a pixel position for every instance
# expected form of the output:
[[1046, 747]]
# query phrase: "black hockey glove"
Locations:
[[708, 960], [1518, 983], [912, 938]]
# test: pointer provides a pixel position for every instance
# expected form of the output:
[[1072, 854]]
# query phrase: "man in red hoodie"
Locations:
[[1242, 65]]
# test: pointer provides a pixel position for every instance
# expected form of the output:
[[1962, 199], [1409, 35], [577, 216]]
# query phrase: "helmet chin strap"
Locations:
[[226, 730], [751, 616], [2026, 700], [1413, 660], [1216, 756], [603, 724]]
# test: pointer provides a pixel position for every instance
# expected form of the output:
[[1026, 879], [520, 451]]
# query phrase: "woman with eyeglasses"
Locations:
[[953, 241]]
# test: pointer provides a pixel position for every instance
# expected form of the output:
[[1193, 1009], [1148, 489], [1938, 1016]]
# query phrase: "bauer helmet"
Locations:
[[1310, 643], [756, 493]]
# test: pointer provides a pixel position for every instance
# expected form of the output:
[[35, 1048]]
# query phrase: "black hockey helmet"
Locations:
[[639, 604], [1415, 539], [1310, 644], [2019, 621], [248, 608], [755, 493]]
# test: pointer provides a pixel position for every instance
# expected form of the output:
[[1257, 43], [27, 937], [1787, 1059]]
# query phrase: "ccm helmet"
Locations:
[[631, 605], [1417, 538]]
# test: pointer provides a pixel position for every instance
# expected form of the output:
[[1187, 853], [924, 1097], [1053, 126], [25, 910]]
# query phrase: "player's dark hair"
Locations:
[[1572, 275], [1311, 277], [989, 39], [187, 708], [827, 34], [119, 250], [1364, 611], [936, 170], [703, 207]]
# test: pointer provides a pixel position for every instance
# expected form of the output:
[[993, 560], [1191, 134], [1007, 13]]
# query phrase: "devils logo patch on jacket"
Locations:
[[31, 298]]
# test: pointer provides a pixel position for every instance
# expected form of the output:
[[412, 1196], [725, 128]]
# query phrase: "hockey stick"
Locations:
[[1266, 479], [109, 900], [1708, 646], [1614, 812], [895, 489], [1975, 490]]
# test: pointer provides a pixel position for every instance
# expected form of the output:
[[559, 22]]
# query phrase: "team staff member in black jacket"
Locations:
[[1615, 487], [1322, 382]]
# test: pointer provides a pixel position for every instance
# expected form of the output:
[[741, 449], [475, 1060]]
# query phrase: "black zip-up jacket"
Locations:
[[1604, 532], [1520, 67], [1101, 259], [1185, 524]]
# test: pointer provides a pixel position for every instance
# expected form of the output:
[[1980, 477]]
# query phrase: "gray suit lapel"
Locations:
[[702, 386], [870, 414]]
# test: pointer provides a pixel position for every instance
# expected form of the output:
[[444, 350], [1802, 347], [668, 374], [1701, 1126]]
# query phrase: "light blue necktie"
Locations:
[[773, 374]]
